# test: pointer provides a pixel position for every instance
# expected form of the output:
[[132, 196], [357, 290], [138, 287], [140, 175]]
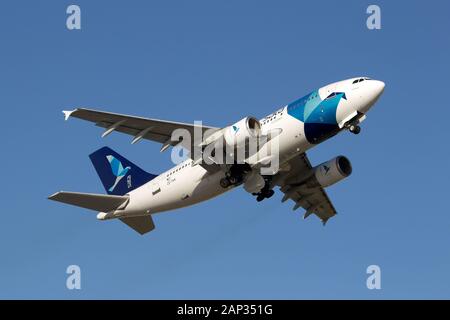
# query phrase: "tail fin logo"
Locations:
[[118, 171]]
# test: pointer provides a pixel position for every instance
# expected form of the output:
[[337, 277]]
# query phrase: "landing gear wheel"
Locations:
[[264, 195], [233, 180], [225, 183], [354, 129]]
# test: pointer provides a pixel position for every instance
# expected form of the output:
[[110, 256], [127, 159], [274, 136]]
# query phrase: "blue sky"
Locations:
[[219, 61]]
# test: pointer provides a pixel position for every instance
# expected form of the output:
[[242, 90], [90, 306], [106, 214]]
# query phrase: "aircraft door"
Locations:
[[154, 187]]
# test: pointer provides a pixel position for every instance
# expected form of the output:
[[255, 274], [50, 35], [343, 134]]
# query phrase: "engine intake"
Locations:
[[332, 171], [237, 134]]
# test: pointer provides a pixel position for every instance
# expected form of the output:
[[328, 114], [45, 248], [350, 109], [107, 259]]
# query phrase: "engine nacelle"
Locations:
[[243, 130], [332, 171]]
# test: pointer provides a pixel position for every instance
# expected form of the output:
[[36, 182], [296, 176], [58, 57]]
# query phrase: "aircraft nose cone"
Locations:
[[369, 94], [378, 87]]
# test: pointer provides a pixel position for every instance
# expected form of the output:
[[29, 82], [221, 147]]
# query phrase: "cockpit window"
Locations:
[[360, 80]]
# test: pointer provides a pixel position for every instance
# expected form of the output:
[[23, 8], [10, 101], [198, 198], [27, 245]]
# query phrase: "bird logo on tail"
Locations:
[[117, 169]]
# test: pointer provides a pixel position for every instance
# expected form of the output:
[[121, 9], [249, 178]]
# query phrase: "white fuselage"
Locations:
[[187, 184]]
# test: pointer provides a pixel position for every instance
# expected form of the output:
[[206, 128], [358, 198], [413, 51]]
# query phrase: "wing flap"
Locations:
[[313, 200]]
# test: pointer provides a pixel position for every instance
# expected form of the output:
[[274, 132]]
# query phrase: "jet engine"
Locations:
[[236, 135], [331, 172]]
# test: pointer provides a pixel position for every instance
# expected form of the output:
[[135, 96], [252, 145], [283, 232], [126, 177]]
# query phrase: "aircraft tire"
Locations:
[[225, 183]]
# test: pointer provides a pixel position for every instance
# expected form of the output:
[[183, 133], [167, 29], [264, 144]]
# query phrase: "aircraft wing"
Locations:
[[313, 200], [138, 127]]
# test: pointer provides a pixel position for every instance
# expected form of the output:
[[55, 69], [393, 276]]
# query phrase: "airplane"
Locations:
[[134, 195]]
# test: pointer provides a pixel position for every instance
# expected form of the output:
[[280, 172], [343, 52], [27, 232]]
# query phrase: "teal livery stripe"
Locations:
[[319, 116]]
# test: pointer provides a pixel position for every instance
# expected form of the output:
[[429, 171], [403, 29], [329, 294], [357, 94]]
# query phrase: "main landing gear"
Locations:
[[226, 182], [265, 192], [235, 175]]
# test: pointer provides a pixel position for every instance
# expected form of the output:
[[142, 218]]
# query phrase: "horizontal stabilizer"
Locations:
[[97, 202], [141, 224]]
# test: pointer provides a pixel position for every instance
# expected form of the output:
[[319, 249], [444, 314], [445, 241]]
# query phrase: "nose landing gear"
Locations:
[[355, 129], [353, 124]]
